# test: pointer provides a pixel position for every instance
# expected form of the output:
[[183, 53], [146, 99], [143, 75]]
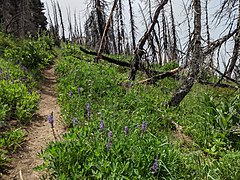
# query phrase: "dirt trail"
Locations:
[[39, 132]]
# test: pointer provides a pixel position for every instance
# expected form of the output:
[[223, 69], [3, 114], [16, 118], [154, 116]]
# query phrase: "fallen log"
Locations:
[[111, 60], [118, 62], [217, 84], [155, 78]]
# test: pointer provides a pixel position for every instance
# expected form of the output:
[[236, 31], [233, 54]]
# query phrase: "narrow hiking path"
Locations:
[[39, 133]]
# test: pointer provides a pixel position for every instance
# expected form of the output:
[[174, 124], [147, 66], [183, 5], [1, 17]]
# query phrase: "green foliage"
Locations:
[[9, 142], [33, 54], [91, 95], [21, 62]]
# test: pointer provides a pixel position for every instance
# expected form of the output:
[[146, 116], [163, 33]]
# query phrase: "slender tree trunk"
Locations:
[[196, 58], [132, 25], [100, 17], [139, 52], [174, 46], [61, 20], [102, 44], [122, 26], [236, 46], [165, 41]]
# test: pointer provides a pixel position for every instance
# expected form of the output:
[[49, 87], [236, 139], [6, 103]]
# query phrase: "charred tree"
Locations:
[[236, 48], [139, 51], [174, 36], [179, 95], [61, 20], [103, 40], [133, 27]]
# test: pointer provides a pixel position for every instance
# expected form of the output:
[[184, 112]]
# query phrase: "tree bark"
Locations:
[[179, 95], [236, 46], [102, 43], [139, 52]]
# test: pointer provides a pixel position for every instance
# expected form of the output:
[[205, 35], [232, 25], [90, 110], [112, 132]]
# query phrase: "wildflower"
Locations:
[[24, 78], [108, 145], [51, 120], [144, 126], [79, 90], [23, 68], [126, 130], [75, 121], [7, 76], [155, 166], [101, 125], [70, 93], [109, 134], [88, 110]]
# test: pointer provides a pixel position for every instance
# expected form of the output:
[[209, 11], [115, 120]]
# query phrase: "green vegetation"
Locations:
[[122, 130], [118, 129], [21, 62]]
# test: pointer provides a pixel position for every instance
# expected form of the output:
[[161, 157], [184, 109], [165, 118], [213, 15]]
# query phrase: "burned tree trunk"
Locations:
[[102, 44], [174, 46], [100, 18], [236, 46], [139, 52], [61, 20], [196, 58], [132, 24]]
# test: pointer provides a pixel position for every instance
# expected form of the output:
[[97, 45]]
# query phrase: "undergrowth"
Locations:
[[122, 130], [21, 62]]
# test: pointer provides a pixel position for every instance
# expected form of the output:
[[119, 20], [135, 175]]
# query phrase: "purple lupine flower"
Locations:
[[88, 110], [144, 126], [7, 76], [75, 121], [155, 166], [101, 125], [51, 120], [79, 90], [109, 134], [16, 62], [108, 145], [23, 68], [70, 93], [24, 78], [126, 130]]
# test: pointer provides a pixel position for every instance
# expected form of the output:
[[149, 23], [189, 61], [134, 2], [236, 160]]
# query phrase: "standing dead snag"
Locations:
[[101, 47], [236, 46], [139, 52], [196, 58]]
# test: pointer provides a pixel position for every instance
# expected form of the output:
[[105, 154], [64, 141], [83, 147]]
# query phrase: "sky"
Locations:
[[80, 7]]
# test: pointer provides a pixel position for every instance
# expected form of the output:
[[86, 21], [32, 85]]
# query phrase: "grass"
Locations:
[[98, 104], [21, 62]]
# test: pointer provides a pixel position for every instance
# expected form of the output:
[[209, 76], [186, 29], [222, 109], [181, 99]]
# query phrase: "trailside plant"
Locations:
[[21, 62], [122, 130]]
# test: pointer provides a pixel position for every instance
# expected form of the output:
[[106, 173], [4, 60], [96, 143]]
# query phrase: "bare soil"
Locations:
[[39, 133]]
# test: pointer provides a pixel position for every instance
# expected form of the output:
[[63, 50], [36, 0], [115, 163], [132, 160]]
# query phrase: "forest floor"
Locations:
[[39, 132]]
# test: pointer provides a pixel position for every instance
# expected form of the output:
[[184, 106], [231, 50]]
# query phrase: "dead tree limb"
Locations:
[[108, 59], [222, 85], [117, 62], [217, 43], [155, 78], [139, 52], [225, 76]]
